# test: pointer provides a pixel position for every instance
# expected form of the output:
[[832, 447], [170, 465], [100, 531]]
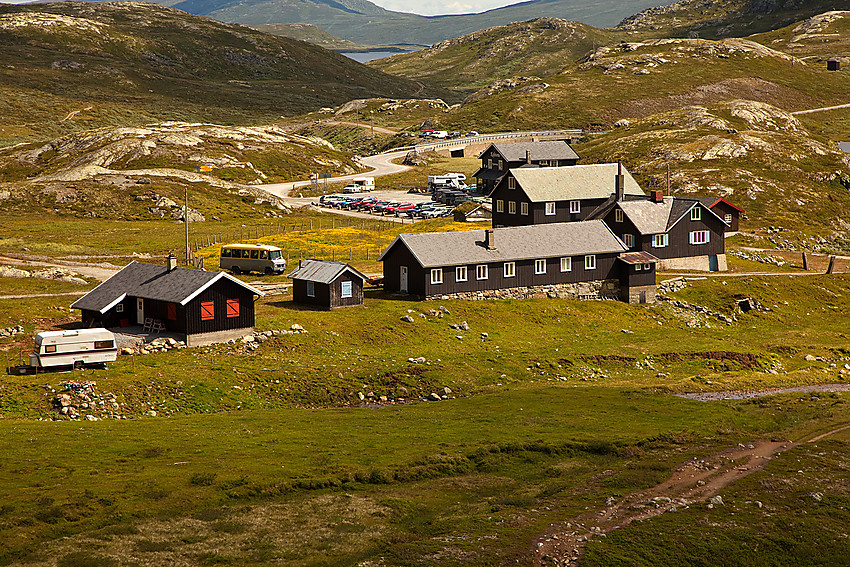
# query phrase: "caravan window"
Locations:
[[104, 344], [50, 348]]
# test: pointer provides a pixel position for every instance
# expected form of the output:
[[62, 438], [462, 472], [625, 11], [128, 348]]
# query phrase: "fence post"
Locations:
[[831, 267], [805, 261]]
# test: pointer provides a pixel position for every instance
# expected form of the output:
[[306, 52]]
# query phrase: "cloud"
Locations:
[[434, 7]]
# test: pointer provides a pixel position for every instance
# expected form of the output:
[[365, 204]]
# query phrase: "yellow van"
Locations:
[[240, 258]]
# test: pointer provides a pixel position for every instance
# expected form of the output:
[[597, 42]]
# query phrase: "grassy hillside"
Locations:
[[820, 37], [310, 33], [71, 66]]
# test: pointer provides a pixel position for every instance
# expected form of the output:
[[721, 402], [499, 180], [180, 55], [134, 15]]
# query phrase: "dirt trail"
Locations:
[[100, 272], [696, 480]]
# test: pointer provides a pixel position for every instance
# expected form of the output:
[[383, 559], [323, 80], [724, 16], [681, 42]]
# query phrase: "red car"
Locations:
[[369, 207], [401, 208]]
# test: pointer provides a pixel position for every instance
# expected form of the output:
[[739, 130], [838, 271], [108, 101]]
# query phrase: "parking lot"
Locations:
[[416, 199]]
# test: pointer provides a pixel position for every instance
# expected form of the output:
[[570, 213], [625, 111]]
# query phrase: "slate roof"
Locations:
[[564, 183], [549, 150], [150, 281], [649, 217], [638, 258], [711, 201], [489, 174], [435, 249], [321, 271]]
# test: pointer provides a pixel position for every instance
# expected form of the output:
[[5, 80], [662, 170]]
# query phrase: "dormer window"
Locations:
[[618, 215], [696, 214], [511, 183], [575, 207]]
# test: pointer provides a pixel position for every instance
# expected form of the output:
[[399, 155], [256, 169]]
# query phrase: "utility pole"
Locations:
[[668, 179], [186, 220], [372, 121]]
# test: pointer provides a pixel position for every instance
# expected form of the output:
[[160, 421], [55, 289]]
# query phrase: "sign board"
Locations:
[[205, 168], [325, 175]]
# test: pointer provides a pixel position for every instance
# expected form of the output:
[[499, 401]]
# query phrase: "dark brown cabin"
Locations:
[[730, 213], [327, 285], [498, 158], [204, 307]]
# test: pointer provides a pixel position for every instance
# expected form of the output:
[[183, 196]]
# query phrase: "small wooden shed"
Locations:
[[833, 64], [327, 285]]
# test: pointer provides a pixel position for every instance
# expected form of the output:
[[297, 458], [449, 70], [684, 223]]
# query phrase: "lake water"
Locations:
[[366, 56]]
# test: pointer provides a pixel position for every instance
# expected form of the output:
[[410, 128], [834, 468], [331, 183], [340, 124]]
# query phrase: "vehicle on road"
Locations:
[[261, 258], [360, 184]]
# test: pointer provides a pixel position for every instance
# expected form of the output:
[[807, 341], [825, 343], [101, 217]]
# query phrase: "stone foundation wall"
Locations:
[[700, 263], [203, 339], [597, 289], [632, 294]]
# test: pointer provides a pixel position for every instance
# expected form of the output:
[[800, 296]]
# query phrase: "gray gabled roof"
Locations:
[[548, 150], [321, 271], [552, 240], [565, 183], [150, 281], [648, 217]]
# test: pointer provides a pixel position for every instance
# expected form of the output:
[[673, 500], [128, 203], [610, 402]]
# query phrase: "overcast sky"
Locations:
[[424, 7], [433, 7]]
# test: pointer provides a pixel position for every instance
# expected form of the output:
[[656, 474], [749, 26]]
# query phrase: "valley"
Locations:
[[708, 427]]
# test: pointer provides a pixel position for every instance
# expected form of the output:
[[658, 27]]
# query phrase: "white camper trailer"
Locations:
[[73, 348]]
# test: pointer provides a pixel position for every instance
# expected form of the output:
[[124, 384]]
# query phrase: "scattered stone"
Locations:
[[816, 496], [716, 500], [402, 390], [484, 335], [628, 332], [296, 327], [417, 360], [444, 392], [361, 396], [810, 358], [407, 319], [434, 397], [444, 310]]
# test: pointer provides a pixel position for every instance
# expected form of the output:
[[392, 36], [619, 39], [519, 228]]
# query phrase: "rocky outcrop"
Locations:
[[56, 274]]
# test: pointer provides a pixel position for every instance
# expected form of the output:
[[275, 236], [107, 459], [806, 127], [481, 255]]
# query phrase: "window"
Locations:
[[233, 307], [264, 255], [629, 240], [346, 289], [511, 183], [510, 269], [638, 267], [207, 311], [618, 215], [255, 254], [575, 207], [696, 213], [225, 252], [699, 237], [566, 264], [544, 163], [481, 272], [437, 276], [490, 163], [460, 274], [728, 218], [104, 344], [523, 209], [172, 311], [50, 348], [512, 207], [500, 206], [311, 289], [119, 308], [540, 266], [647, 267], [501, 165], [660, 240], [550, 208], [245, 254], [590, 262]]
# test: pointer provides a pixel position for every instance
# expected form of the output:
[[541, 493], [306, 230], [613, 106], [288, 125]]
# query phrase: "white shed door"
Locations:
[[402, 282], [140, 311]]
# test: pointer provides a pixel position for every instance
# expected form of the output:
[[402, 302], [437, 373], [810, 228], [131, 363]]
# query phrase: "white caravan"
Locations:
[[73, 348]]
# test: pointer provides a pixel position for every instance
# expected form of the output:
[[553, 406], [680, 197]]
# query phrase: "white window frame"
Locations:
[[638, 267], [728, 218], [629, 240], [523, 208], [511, 183], [343, 287], [590, 262], [311, 289], [510, 269], [660, 240], [119, 308], [566, 264], [500, 206], [575, 207], [543, 163], [501, 165], [540, 266], [511, 207], [550, 208], [696, 214], [699, 237], [647, 267], [481, 272], [490, 163], [461, 274], [436, 276], [618, 215]]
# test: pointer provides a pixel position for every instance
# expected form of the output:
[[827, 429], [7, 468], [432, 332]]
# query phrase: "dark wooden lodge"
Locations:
[[327, 285], [497, 159], [204, 307], [557, 194], [680, 231], [469, 262], [730, 213]]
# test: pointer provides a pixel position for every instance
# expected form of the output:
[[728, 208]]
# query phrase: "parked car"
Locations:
[[323, 200], [358, 203], [472, 133], [437, 212], [370, 207], [418, 209], [381, 208], [402, 208]]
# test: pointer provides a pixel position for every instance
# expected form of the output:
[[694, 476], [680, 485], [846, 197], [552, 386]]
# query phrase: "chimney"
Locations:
[[621, 182], [528, 157], [489, 239], [657, 196], [170, 262]]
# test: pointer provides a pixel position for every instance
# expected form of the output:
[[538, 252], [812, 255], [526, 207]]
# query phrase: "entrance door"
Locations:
[[402, 280], [712, 263], [140, 311]]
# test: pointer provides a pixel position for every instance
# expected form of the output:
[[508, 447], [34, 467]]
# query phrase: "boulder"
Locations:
[[434, 397], [407, 319]]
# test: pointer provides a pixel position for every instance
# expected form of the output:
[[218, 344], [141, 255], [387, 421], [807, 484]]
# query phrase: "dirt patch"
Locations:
[[747, 394], [746, 360], [750, 88], [610, 358]]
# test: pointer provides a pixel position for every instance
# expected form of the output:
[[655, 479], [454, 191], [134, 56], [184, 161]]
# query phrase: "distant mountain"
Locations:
[[128, 63], [365, 23]]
